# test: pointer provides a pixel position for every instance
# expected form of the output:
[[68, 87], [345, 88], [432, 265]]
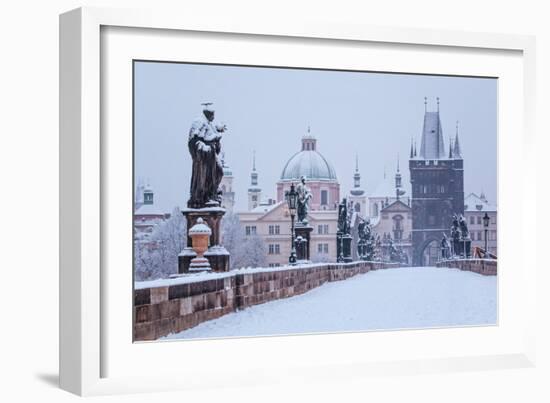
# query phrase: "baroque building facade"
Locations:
[[270, 219]]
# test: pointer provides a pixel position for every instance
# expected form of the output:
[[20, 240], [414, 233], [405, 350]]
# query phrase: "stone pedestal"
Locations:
[[217, 255], [343, 247], [303, 250], [462, 248]]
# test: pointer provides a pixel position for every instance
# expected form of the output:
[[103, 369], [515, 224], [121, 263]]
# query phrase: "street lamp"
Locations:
[[292, 201], [486, 220]]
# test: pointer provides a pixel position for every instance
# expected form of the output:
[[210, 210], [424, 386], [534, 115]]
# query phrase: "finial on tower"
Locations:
[[450, 147], [425, 104], [253, 160], [412, 151], [356, 163], [437, 103], [415, 148]]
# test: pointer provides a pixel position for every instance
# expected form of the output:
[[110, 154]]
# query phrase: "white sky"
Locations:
[[269, 110]]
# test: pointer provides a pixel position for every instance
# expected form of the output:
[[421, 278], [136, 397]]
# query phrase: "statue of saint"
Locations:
[[304, 195], [464, 233], [207, 172]]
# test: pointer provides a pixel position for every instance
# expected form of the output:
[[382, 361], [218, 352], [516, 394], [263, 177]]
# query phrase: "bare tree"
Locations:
[[156, 256]]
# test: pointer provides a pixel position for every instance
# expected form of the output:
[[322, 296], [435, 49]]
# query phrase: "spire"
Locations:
[[412, 151], [456, 150], [432, 146], [415, 149], [450, 148], [425, 104], [356, 175], [254, 174]]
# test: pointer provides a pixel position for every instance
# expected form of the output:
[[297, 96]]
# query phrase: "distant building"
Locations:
[[270, 219], [391, 215], [146, 214], [272, 223], [475, 208], [437, 181], [319, 173]]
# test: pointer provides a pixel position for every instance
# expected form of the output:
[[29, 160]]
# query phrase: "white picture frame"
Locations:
[[86, 309]]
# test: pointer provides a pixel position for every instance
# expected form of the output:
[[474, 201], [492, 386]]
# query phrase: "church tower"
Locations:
[[226, 185], [254, 191], [437, 181], [358, 196]]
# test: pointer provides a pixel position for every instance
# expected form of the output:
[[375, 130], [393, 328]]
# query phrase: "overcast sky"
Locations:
[[269, 110]]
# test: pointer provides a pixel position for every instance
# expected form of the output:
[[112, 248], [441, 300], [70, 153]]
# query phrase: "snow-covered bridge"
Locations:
[[411, 297]]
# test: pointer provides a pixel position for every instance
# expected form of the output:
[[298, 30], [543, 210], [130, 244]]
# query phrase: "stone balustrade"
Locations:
[[487, 267], [171, 306]]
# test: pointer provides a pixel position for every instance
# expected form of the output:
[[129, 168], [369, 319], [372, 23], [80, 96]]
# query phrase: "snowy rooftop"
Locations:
[[149, 209], [473, 203]]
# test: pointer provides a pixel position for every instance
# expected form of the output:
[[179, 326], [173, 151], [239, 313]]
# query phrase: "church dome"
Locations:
[[309, 163]]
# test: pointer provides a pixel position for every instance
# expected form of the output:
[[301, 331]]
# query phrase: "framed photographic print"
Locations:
[[336, 188]]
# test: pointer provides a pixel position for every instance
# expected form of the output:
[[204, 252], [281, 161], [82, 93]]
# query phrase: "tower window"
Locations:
[[324, 197]]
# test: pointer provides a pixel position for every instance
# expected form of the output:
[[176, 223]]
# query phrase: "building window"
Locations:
[[492, 235], [274, 249], [479, 238], [478, 220], [319, 229], [322, 248], [472, 220], [274, 229], [324, 197], [397, 227], [250, 230], [494, 219], [322, 229]]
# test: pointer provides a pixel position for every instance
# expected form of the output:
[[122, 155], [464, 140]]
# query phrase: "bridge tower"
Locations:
[[437, 182]]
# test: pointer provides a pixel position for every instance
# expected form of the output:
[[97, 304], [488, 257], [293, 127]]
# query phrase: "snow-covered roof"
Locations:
[[149, 209], [432, 146], [265, 208], [473, 203]]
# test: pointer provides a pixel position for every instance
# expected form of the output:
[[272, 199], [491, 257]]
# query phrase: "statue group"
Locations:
[[343, 235], [460, 244], [366, 245], [204, 144]]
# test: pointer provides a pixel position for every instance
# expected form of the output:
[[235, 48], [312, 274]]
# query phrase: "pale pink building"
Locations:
[[320, 176]]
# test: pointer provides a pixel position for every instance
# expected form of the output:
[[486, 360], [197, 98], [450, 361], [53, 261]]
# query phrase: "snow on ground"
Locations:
[[408, 297]]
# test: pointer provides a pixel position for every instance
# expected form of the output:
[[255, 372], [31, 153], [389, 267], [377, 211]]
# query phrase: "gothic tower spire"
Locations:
[[456, 150]]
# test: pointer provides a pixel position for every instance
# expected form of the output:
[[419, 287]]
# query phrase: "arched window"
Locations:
[[357, 207]]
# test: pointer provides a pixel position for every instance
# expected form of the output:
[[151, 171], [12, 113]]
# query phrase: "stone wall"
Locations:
[[183, 303], [487, 267]]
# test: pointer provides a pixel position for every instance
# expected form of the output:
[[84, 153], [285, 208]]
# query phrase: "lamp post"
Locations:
[[292, 201], [486, 220]]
